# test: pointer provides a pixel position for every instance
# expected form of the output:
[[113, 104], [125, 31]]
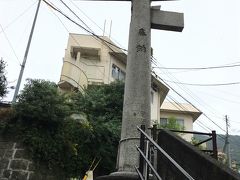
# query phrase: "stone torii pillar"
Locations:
[[137, 105]]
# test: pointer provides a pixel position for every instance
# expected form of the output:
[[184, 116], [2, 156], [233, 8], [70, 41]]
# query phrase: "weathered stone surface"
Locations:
[[4, 163], [33, 176], [21, 153], [19, 146], [19, 175], [6, 173], [2, 152], [31, 167], [8, 153], [6, 145], [19, 164]]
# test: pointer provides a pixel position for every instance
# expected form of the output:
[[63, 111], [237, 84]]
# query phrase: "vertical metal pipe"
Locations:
[[146, 164], [214, 145]]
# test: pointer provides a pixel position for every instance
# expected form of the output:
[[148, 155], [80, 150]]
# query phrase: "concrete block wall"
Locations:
[[14, 162]]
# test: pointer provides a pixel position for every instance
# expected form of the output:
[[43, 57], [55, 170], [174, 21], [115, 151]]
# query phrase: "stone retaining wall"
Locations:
[[15, 164]]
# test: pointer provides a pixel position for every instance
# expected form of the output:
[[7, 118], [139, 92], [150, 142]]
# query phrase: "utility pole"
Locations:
[[25, 55], [137, 104], [226, 147]]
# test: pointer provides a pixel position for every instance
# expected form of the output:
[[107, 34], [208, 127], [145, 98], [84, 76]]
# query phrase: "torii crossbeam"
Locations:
[[137, 105]]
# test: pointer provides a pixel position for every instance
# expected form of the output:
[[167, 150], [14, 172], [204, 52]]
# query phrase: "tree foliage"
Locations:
[[67, 131], [41, 104], [3, 79], [103, 108]]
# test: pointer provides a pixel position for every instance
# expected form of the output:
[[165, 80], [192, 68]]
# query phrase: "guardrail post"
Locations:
[[154, 136], [142, 149], [154, 132], [214, 145], [147, 156]]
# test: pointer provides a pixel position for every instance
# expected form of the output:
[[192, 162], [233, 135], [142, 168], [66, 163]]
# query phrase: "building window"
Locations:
[[180, 122], [117, 73], [163, 121], [85, 52]]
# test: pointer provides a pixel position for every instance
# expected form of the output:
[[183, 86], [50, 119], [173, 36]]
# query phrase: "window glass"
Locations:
[[180, 122], [163, 121], [121, 75], [117, 73]]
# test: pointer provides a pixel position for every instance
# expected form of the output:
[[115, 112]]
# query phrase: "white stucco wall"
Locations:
[[188, 122], [81, 71]]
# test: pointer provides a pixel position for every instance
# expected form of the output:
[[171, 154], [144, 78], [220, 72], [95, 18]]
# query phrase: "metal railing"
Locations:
[[146, 144], [212, 137]]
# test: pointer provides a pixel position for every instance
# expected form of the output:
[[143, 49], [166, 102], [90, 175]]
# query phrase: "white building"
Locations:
[[185, 115], [89, 60]]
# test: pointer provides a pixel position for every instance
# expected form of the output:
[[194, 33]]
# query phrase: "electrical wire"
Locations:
[[187, 91], [199, 123], [20, 15], [10, 44], [76, 15], [198, 68], [219, 98], [191, 104], [76, 41], [92, 21], [192, 84], [101, 38], [88, 31]]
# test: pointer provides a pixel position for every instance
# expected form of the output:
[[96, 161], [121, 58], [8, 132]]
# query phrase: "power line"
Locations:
[[93, 21], [10, 44], [199, 68], [192, 104], [198, 123], [86, 15], [183, 108], [89, 31], [115, 41], [202, 127], [76, 15], [92, 32], [214, 122], [80, 26], [79, 43], [192, 84], [219, 98], [186, 90], [20, 15]]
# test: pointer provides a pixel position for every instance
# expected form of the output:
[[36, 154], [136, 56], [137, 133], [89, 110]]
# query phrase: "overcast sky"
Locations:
[[211, 37]]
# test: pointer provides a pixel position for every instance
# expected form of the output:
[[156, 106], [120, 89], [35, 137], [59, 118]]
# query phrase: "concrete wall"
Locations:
[[199, 165], [15, 163]]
